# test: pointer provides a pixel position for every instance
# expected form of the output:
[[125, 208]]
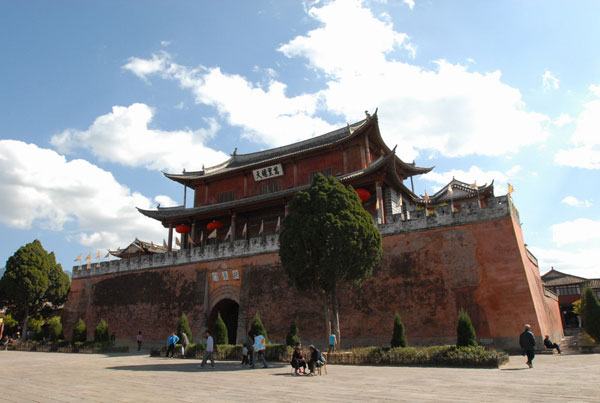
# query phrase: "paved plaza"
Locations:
[[52, 377]]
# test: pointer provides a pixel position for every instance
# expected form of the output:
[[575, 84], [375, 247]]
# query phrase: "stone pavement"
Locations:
[[51, 377]]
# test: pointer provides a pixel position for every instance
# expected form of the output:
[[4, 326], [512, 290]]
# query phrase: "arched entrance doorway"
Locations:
[[229, 310]]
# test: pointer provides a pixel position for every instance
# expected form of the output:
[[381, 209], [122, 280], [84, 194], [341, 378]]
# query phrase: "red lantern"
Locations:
[[363, 194], [183, 229], [214, 225]]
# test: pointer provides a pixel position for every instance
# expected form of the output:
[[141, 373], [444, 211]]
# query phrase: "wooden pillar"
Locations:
[[295, 174], [193, 232], [345, 157], [380, 205], [233, 224], [368, 151], [206, 194], [170, 245], [245, 185], [286, 210], [363, 160]]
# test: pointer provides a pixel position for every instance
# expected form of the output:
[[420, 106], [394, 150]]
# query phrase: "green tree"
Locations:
[[183, 326], [577, 307], [55, 328], [220, 334], [398, 336], [257, 327], [292, 337], [465, 331], [328, 238], [590, 308], [101, 332], [79, 332], [10, 324], [32, 280], [36, 326]]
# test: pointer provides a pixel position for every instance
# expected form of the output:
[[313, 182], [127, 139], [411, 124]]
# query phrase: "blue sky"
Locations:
[[96, 98]]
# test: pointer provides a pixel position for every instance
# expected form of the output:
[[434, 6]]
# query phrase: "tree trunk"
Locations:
[[336, 316], [24, 334], [327, 314]]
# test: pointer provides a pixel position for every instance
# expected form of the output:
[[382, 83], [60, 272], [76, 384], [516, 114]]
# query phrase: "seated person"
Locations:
[[548, 343], [298, 359], [316, 360]]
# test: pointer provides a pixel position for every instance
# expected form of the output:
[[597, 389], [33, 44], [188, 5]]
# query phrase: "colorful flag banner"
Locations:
[[88, 257], [98, 255], [165, 244], [107, 255], [228, 235], [201, 237], [245, 231], [278, 226], [262, 227], [426, 198], [78, 259], [213, 235], [510, 188], [177, 241], [190, 240]]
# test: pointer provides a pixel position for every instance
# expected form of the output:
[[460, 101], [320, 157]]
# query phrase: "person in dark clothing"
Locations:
[[171, 341], [298, 360], [315, 360], [249, 343], [548, 343], [527, 342]]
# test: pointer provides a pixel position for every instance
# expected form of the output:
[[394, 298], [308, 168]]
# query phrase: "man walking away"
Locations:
[[210, 345], [527, 342], [250, 345], [184, 343], [171, 341], [139, 340], [332, 341]]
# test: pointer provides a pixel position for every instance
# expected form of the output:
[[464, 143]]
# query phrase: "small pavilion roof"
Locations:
[[246, 161], [558, 278], [137, 248], [460, 191], [174, 213]]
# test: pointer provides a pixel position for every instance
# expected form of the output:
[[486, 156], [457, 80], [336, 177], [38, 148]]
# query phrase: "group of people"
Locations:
[[172, 340], [527, 343], [315, 360], [253, 349]]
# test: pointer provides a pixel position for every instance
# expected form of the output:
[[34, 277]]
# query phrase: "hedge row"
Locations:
[[433, 356], [64, 346]]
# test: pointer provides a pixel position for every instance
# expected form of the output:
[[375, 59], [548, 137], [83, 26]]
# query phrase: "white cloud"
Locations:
[[585, 139], [267, 114], [579, 262], [562, 120], [577, 231], [41, 188], [474, 174], [549, 82], [595, 89], [572, 201], [409, 3], [124, 136], [165, 201], [449, 109], [165, 43]]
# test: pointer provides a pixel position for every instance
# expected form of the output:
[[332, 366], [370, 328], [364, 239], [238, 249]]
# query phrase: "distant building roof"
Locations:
[[138, 248], [557, 278], [457, 190]]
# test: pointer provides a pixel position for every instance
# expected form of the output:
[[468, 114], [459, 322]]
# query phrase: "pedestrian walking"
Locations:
[[210, 345], [139, 340], [527, 342], [259, 350], [249, 343], [171, 341], [184, 343], [332, 343]]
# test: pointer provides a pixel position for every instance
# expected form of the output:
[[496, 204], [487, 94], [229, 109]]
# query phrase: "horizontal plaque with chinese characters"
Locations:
[[267, 172]]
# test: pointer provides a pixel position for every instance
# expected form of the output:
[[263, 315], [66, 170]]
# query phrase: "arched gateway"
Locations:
[[229, 310]]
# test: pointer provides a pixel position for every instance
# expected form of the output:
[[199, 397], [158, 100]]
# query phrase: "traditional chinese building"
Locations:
[[459, 248], [569, 288]]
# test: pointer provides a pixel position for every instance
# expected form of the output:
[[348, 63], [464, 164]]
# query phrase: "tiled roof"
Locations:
[[182, 212]]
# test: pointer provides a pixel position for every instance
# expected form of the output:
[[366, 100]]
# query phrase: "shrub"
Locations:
[[590, 308], [219, 332], [35, 325], [101, 332], [292, 337], [194, 350], [464, 330], [398, 336], [278, 352], [183, 326], [79, 332], [257, 327], [55, 328], [229, 351]]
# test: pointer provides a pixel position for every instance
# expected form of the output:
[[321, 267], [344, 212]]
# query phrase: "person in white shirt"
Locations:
[[209, 351], [259, 348]]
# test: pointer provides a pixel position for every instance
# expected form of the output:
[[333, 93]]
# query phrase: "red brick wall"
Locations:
[[425, 276]]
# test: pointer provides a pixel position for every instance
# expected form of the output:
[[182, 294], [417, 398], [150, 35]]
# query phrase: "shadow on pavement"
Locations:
[[513, 369], [170, 366]]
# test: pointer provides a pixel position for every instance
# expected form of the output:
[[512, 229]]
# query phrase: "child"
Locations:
[[245, 356]]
